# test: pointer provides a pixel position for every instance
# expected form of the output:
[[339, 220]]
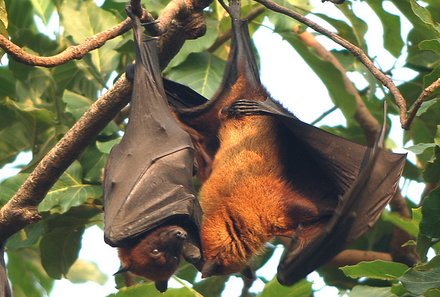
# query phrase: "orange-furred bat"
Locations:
[[150, 209], [265, 173]]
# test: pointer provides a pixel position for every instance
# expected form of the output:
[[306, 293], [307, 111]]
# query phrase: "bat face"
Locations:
[[157, 255]]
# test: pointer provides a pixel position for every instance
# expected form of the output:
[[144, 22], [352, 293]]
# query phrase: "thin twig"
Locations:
[[72, 52], [323, 115], [356, 51], [426, 92]]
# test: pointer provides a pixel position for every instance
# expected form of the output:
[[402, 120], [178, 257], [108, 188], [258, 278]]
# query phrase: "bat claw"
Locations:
[[243, 107]]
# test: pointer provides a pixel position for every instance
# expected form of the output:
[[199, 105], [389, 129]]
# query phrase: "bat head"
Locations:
[[155, 256]]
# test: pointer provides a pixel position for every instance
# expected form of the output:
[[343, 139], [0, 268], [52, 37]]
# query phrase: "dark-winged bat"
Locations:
[[265, 173], [150, 210]]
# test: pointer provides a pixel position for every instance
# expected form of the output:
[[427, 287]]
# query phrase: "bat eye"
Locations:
[[155, 253]]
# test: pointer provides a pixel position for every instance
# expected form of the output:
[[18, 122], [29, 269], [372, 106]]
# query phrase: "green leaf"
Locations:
[[431, 45], [93, 162], [60, 245], [150, 291], [376, 270], [26, 274], [3, 14], [420, 147], [433, 263], [197, 45], [426, 105], [107, 146], [391, 24], [201, 71], [424, 15], [3, 24], [367, 291], [26, 237], [44, 9], [84, 19], [330, 76], [83, 271], [411, 226], [69, 191], [10, 186], [302, 288], [431, 219], [418, 282], [212, 286], [358, 25], [76, 104]]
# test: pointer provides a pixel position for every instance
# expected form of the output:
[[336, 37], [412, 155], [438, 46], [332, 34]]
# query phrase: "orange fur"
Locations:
[[246, 200]]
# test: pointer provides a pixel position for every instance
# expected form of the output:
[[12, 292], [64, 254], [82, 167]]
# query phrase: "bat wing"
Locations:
[[365, 180], [181, 96], [148, 176]]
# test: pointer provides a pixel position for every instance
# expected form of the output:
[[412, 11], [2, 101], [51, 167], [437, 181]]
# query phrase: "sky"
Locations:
[[292, 82]]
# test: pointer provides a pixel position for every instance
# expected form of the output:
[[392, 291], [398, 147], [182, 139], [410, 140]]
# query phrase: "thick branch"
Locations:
[[356, 51]]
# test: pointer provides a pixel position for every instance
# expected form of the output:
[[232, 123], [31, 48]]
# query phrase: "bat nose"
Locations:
[[180, 234]]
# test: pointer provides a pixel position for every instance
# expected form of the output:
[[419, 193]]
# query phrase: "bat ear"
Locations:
[[210, 268], [247, 272], [161, 286]]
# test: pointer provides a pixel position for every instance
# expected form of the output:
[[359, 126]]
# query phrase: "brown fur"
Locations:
[[246, 200], [156, 256]]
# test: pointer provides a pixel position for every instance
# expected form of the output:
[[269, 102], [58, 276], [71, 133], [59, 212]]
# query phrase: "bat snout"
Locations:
[[181, 235]]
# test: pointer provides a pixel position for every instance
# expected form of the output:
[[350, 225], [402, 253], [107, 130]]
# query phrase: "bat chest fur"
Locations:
[[244, 199]]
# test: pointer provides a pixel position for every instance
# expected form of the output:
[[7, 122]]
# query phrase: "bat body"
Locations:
[[149, 201], [265, 173]]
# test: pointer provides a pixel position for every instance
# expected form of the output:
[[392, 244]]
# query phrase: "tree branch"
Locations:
[[72, 52], [356, 51], [362, 115], [426, 92], [180, 20], [22, 207], [352, 257]]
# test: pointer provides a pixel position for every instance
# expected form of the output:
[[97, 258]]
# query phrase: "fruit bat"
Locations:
[[150, 210], [265, 173]]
